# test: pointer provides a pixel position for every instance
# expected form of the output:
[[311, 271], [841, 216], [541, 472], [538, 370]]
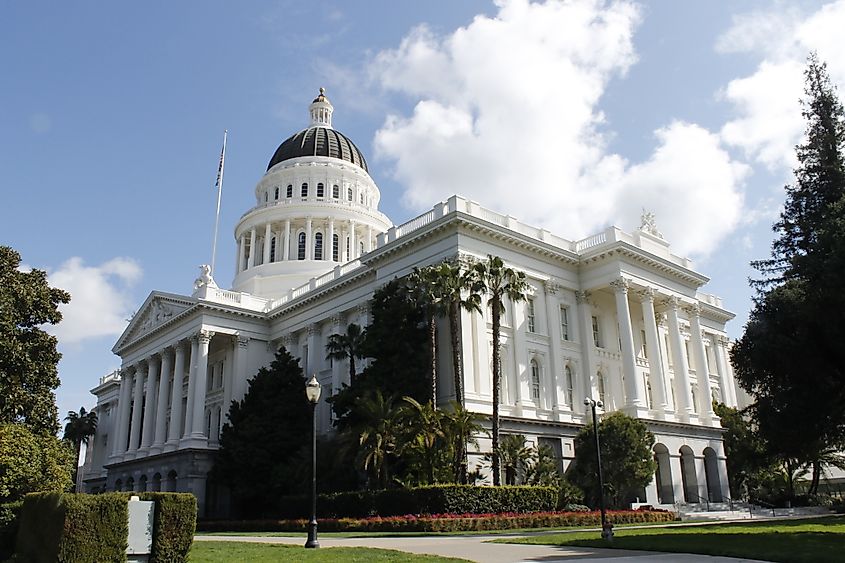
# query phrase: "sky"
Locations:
[[573, 116]]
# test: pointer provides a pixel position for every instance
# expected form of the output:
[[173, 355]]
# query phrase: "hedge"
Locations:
[[442, 522], [433, 499], [9, 514], [70, 528]]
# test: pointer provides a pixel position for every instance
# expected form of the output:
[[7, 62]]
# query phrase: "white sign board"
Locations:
[[140, 527]]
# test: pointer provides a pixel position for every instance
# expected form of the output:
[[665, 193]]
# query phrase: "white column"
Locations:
[[239, 375], [344, 256], [652, 346], [198, 414], [228, 381], [253, 255], [137, 401], [589, 385], [192, 382], [176, 397], [241, 254], [154, 363], [353, 249], [702, 372], [286, 253], [556, 378], [311, 360], [677, 476], [634, 391], [368, 246], [683, 390], [330, 243], [122, 435], [728, 390], [309, 240], [161, 406], [268, 236], [522, 371]]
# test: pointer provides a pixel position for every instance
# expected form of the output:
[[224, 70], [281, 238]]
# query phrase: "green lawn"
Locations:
[[807, 540], [233, 552]]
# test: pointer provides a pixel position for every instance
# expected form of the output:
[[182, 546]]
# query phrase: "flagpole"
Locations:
[[219, 193]]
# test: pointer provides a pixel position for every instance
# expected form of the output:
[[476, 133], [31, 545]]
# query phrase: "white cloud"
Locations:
[[507, 113], [769, 123], [100, 299]]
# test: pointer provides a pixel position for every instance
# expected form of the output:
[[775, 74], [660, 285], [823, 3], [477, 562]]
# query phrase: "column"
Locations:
[[198, 414], [122, 435], [634, 391], [311, 360], [353, 248], [522, 372], [137, 401], [679, 361], [192, 382], [241, 254], [702, 373], [652, 346], [724, 483], [154, 363], [268, 236], [328, 244], [344, 256], [368, 245], [239, 375], [556, 379], [589, 385], [228, 381], [309, 242], [728, 390], [651, 496], [161, 406], [176, 397], [677, 476], [253, 255], [286, 253]]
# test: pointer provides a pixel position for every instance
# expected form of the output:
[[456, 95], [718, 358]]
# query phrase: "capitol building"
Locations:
[[615, 316]]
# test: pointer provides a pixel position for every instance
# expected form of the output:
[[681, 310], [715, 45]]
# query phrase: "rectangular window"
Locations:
[[644, 348], [529, 314], [596, 332], [564, 322], [690, 358]]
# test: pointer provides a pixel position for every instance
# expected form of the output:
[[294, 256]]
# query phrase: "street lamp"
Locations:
[[606, 527], [312, 391]]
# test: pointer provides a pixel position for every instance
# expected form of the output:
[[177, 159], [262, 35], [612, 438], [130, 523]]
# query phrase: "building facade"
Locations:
[[615, 316]]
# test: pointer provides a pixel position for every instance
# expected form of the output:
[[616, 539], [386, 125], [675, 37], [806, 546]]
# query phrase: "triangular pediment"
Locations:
[[158, 309]]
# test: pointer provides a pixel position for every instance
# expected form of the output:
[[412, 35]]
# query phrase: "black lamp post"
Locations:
[[606, 527], [312, 391]]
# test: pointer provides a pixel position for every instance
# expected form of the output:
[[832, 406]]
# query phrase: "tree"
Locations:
[[425, 284], [514, 456], [424, 441], [347, 346], [377, 431], [461, 428], [543, 468], [32, 462], [627, 460], [80, 426], [744, 448], [28, 355], [264, 433], [498, 282], [790, 358]]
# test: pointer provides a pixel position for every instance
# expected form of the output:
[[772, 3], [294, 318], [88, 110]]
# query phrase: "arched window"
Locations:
[[335, 248], [361, 248], [289, 191], [304, 190], [336, 191], [318, 246], [694, 392], [273, 250], [348, 257], [300, 251], [600, 380], [349, 193], [361, 198], [276, 193], [649, 397], [570, 387], [535, 380], [321, 190], [266, 197]]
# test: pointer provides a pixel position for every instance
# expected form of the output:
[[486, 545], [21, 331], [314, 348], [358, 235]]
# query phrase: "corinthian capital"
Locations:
[[620, 285], [646, 295], [582, 297]]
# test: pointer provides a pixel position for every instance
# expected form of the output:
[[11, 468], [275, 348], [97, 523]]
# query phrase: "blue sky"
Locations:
[[572, 115]]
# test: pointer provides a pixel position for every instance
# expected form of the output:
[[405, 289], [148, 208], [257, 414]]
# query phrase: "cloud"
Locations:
[[100, 299], [768, 122], [507, 112]]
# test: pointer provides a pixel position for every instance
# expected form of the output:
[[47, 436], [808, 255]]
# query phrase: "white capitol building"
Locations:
[[615, 316]]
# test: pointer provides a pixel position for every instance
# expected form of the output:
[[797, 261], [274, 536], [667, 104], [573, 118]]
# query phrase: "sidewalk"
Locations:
[[475, 548]]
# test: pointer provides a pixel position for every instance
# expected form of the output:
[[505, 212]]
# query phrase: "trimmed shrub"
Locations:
[[9, 518], [174, 525]]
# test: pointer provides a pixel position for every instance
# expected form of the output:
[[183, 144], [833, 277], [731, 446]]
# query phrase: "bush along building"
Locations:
[[615, 316]]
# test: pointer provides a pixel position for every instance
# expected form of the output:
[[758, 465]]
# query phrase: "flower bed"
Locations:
[[442, 522]]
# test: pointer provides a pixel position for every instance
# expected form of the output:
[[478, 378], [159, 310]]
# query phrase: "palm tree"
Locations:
[[498, 282], [514, 457], [347, 346], [461, 428], [424, 282], [377, 435], [80, 426], [425, 437]]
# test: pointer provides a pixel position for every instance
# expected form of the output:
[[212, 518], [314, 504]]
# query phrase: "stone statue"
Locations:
[[648, 224], [205, 279]]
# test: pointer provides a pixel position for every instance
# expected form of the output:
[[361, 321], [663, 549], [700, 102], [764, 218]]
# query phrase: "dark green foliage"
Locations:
[[745, 450], [80, 426], [32, 462], [265, 432], [626, 455], [9, 519], [28, 356], [174, 525]]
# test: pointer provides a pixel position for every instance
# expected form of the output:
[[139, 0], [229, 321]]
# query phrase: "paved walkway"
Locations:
[[476, 548]]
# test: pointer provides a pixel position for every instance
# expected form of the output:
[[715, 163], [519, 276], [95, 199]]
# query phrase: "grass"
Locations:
[[808, 540], [231, 552]]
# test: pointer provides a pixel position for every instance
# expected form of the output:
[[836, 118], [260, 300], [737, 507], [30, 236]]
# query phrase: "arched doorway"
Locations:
[[663, 475], [171, 481], [155, 485], [118, 485], [711, 475], [142, 484], [130, 484], [688, 475]]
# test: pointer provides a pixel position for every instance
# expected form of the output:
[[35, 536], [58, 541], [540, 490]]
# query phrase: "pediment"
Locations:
[[157, 310]]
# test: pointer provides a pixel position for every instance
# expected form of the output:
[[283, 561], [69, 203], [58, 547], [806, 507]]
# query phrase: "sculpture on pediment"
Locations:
[[205, 279], [648, 224], [159, 312]]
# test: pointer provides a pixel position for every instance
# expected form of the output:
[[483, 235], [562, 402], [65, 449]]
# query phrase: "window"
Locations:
[[336, 191], [318, 246], [360, 248], [348, 257], [644, 348], [570, 387], [321, 190], [335, 248], [694, 392], [349, 193], [648, 395], [273, 250], [276, 193], [300, 251], [304, 190], [535, 380], [266, 197], [361, 198], [529, 315], [600, 380], [690, 358], [289, 191], [596, 333], [564, 322]]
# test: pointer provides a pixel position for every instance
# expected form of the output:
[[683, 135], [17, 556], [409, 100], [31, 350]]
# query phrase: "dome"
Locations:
[[318, 141]]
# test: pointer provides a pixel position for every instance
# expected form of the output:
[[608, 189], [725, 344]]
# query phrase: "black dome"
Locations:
[[318, 141]]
